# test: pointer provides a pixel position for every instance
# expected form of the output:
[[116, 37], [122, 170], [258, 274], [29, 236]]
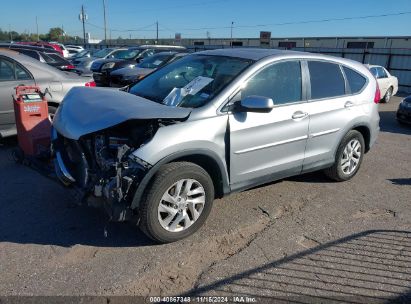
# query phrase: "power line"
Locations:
[[144, 28], [297, 22]]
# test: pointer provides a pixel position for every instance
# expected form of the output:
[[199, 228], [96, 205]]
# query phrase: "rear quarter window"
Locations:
[[355, 80], [326, 80]]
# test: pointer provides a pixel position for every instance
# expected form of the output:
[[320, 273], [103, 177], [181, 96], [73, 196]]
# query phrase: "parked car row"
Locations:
[[16, 69]]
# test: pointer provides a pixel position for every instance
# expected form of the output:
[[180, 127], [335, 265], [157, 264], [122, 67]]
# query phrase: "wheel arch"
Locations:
[[206, 159], [366, 134]]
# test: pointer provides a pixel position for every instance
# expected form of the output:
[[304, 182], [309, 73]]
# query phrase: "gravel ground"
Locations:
[[304, 239]]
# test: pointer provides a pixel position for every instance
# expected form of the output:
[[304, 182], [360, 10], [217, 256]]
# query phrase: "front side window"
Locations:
[[355, 80], [282, 82], [192, 81], [326, 80]]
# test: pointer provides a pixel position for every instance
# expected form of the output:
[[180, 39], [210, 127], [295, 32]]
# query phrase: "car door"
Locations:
[[268, 146], [331, 108], [12, 74]]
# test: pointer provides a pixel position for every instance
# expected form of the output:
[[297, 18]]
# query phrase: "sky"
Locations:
[[213, 18]]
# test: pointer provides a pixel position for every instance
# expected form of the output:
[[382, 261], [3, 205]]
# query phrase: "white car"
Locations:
[[388, 84], [73, 50]]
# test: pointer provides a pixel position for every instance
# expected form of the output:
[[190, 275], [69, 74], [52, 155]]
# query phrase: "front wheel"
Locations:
[[177, 202], [349, 157]]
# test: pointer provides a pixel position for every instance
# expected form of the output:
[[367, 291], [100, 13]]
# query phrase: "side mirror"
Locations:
[[257, 104]]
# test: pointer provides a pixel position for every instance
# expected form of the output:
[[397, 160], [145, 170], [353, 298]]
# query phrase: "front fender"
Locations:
[[206, 137]]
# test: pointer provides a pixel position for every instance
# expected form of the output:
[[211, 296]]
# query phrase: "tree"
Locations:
[[55, 34]]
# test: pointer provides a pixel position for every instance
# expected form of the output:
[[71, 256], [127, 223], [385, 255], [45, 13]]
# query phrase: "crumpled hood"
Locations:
[[87, 110], [131, 71]]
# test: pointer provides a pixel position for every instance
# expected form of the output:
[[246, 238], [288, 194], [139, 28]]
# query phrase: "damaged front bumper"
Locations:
[[88, 186]]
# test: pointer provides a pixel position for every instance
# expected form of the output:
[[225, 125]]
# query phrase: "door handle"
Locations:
[[299, 115], [348, 104]]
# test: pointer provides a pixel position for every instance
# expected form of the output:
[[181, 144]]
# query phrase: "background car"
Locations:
[[404, 111], [388, 84], [51, 57], [18, 69], [45, 45], [127, 76], [102, 68], [84, 63], [73, 50]]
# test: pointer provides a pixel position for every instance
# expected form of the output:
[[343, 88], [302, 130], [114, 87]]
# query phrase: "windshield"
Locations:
[[190, 82], [102, 53], [155, 61], [126, 54], [80, 54]]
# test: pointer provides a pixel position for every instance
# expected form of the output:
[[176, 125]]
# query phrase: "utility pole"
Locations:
[[11, 35], [231, 40], [83, 18], [105, 21], [37, 27], [157, 33]]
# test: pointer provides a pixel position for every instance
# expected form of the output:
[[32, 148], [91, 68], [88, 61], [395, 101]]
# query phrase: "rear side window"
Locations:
[[355, 80], [6, 70], [326, 80]]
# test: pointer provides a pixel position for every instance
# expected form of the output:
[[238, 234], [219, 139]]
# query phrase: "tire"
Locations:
[[339, 171], [164, 227], [52, 112], [388, 95]]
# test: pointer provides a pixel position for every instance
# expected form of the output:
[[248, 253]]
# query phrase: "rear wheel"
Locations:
[[349, 157], [177, 202], [387, 95]]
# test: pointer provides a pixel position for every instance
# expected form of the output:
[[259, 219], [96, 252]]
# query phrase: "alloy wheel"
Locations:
[[181, 205], [351, 156]]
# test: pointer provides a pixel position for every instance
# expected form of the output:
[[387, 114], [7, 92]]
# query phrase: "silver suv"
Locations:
[[210, 124]]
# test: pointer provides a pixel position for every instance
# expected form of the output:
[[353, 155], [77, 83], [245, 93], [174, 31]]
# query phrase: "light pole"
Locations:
[[105, 21], [83, 18], [37, 27], [231, 39]]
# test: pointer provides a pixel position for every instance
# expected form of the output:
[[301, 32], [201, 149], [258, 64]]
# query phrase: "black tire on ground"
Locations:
[[388, 95], [166, 176], [52, 111], [336, 172]]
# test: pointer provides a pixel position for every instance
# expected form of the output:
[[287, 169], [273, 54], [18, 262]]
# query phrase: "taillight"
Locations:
[[90, 84], [377, 96], [70, 67]]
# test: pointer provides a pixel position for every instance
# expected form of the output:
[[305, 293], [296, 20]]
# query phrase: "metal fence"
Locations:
[[396, 61]]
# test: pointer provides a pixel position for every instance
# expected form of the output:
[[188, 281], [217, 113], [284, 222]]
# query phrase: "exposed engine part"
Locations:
[[104, 168]]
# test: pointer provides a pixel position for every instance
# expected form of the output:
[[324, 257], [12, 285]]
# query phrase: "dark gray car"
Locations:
[[126, 76], [18, 69]]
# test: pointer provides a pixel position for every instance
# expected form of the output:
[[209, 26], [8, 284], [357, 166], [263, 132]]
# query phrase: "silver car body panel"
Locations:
[[87, 110], [254, 147]]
